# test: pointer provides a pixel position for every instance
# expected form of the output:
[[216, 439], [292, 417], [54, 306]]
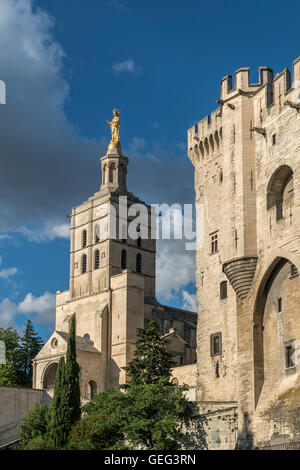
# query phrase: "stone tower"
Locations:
[[112, 286], [246, 159]]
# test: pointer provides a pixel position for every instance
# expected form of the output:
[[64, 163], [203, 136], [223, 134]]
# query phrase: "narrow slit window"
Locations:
[[223, 290], [84, 238], [289, 356], [97, 259], [216, 344], [138, 263], [214, 243], [84, 264], [124, 259], [97, 233]]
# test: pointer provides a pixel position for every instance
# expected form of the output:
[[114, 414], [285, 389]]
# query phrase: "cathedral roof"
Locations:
[[82, 344]]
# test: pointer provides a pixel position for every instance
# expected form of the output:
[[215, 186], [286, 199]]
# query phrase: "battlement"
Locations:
[[205, 136], [242, 82]]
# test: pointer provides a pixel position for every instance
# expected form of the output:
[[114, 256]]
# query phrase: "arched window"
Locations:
[[124, 259], [86, 336], [97, 233], [122, 175], [104, 175], [223, 290], [139, 242], [92, 390], [112, 168], [97, 259], [175, 382], [280, 191], [84, 238], [139, 263], [83, 264], [49, 376]]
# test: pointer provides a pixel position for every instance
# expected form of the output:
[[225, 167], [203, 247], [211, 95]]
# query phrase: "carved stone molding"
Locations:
[[240, 273]]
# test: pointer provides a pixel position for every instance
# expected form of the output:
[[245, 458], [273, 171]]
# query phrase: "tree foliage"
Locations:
[[31, 344], [149, 413], [17, 371], [11, 371], [34, 425], [71, 385], [65, 408], [57, 426], [152, 362], [153, 417]]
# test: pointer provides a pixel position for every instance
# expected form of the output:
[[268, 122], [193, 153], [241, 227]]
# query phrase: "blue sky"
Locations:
[[66, 64]]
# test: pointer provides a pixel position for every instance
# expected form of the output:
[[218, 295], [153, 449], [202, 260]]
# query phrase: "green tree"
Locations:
[[101, 427], [65, 409], [10, 372], [71, 384], [58, 427], [152, 362], [31, 344], [34, 424], [149, 413]]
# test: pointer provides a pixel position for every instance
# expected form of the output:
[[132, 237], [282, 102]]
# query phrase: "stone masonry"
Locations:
[[246, 156]]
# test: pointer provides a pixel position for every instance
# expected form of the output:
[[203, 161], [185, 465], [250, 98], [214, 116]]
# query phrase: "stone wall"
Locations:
[[246, 156], [14, 406]]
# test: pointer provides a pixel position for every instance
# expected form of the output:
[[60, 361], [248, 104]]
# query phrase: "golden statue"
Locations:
[[115, 131]]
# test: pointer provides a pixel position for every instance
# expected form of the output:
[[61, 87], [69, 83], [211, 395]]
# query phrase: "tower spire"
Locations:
[[114, 163]]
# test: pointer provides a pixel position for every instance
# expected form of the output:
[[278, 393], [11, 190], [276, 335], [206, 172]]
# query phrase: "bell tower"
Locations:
[[114, 163]]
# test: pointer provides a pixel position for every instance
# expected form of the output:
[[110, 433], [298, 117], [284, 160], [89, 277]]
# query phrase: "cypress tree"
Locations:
[[152, 362], [71, 385], [65, 409], [57, 426]]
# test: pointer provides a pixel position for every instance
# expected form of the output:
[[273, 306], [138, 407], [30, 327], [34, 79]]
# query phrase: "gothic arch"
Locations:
[[104, 174], [112, 171], [91, 389], [280, 179], [266, 283], [49, 376]]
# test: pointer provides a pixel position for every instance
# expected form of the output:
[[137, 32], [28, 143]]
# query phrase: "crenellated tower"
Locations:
[[246, 159]]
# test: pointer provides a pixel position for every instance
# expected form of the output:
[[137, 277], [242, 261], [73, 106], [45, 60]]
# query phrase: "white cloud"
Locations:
[[175, 269], [118, 5], [47, 233], [6, 273], [127, 66], [189, 301], [36, 136], [42, 307], [8, 310]]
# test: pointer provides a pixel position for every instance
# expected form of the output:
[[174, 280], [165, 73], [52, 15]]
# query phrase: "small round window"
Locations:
[[87, 336], [54, 343]]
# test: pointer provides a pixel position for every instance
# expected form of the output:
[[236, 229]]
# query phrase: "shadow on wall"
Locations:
[[196, 437], [245, 436]]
